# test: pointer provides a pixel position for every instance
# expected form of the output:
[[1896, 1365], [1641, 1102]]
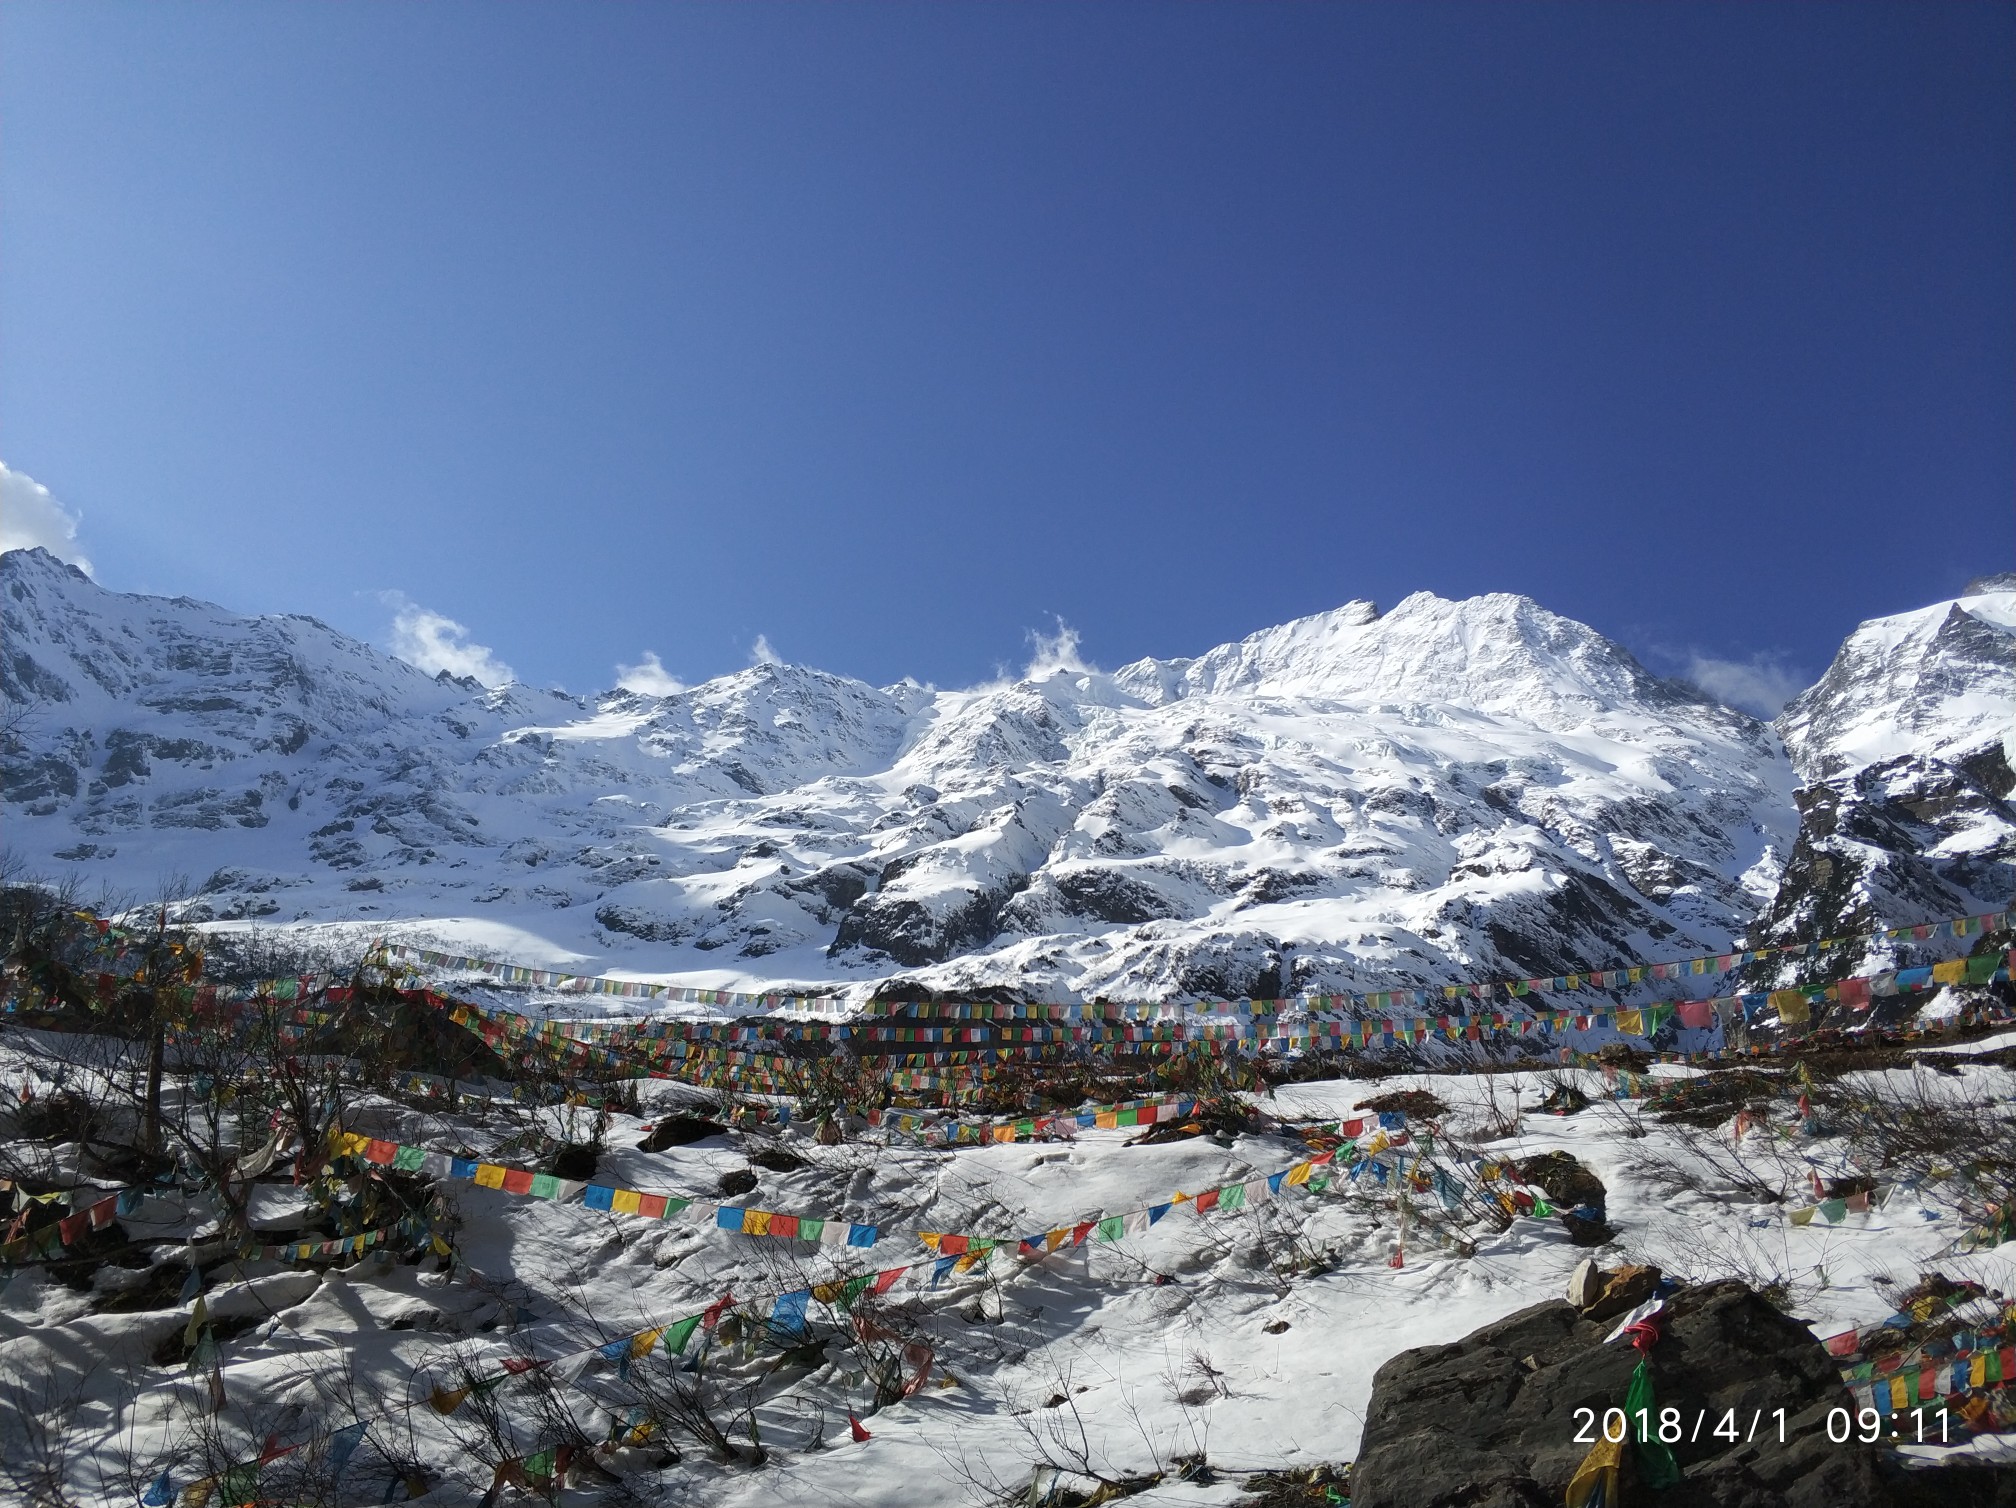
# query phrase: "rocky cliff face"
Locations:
[[1906, 757], [1357, 799]]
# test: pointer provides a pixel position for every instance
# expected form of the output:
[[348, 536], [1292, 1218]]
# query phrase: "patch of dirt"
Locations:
[[1311, 1487], [1713, 1098], [159, 1288], [1415, 1104], [679, 1131], [1566, 1181], [172, 1353], [575, 1160]]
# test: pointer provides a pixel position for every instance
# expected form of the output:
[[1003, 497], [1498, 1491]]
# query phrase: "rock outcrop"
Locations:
[[1492, 1421]]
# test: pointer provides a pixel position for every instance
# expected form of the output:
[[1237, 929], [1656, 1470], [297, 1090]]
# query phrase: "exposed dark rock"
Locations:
[[1491, 1421], [915, 934], [736, 1183], [636, 923]]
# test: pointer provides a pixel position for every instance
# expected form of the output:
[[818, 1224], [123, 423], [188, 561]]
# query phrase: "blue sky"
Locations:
[[889, 334]]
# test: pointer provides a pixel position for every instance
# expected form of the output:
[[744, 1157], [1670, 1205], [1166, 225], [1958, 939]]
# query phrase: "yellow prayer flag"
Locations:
[[1594, 1484], [756, 1222], [641, 1344], [1791, 1006], [489, 1175], [1631, 1023], [1299, 1173], [625, 1201], [1954, 971]]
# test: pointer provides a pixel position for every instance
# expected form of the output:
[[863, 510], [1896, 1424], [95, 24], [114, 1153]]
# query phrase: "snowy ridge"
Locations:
[[1354, 801], [1906, 754]]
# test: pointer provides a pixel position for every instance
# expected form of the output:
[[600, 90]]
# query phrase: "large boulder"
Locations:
[[1491, 1421]]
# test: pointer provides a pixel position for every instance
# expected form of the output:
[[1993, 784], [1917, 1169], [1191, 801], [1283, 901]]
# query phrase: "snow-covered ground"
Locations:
[[1249, 1337]]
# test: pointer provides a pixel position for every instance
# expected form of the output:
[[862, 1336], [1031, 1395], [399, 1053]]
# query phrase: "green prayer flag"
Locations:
[[410, 1159], [676, 1336], [1113, 1227], [545, 1186], [1656, 1466], [1232, 1196]]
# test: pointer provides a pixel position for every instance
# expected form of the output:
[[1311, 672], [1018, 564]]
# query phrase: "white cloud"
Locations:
[[760, 653], [1762, 684], [434, 642], [647, 677], [29, 516], [1054, 652]]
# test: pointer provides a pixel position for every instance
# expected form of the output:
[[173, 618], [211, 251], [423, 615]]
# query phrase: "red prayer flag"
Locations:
[[859, 1430], [715, 1310]]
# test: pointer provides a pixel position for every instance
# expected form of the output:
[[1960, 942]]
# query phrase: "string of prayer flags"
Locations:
[[1380, 1000], [819, 1230]]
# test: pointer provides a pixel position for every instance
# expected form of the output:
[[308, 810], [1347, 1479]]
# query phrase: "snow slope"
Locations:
[[1354, 799], [1246, 1354]]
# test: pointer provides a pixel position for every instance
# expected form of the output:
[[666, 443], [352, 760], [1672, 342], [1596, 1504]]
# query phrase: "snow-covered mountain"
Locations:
[[1906, 756], [1355, 799]]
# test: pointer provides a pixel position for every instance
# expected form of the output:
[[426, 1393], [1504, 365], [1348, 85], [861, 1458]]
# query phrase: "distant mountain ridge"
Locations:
[[1354, 800]]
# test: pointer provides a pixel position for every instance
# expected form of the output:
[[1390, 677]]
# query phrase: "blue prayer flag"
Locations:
[[343, 1444], [788, 1318]]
